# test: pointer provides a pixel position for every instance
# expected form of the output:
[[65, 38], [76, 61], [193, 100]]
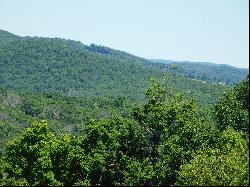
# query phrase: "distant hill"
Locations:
[[71, 68], [206, 71], [7, 37], [40, 65]]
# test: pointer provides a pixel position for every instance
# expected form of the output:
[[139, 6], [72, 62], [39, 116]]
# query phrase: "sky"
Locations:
[[214, 31]]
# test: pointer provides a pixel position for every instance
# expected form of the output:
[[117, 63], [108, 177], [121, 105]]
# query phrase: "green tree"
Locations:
[[225, 164], [173, 130], [28, 156], [233, 109]]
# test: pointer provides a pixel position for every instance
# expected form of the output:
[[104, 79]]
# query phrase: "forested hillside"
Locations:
[[43, 66], [6, 37], [71, 68], [165, 141], [213, 73], [73, 114]]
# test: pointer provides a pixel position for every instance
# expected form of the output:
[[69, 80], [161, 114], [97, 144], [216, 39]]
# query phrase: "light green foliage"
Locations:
[[226, 161], [100, 157], [173, 130], [29, 156], [226, 164], [233, 109]]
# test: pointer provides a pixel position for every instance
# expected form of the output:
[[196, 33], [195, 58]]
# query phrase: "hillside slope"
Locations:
[[206, 71], [6, 37], [71, 68]]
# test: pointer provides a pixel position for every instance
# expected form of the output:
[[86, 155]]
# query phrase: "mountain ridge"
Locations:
[[42, 64], [205, 71], [164, 61]]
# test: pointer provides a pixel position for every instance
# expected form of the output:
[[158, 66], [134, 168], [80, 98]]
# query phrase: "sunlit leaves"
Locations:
[[224, 165], [233, 109]]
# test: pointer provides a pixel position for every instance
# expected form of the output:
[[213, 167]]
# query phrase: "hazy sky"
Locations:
[[196, 30]]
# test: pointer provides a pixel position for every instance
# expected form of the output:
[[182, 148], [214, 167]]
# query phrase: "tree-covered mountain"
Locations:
[[7, 37], [74, 69], [42, 65], [206, 71], [72, 114]]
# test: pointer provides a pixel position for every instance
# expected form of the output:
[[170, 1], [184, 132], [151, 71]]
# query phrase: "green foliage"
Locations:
[[205, 71], [6, 37], [64, 113], [227, 164], [97, 158], [29, 156], [52, 65], [139, 173], [227, 161], [233, 109], [205, 94], [49, 65], [166, 143], [173, 130]]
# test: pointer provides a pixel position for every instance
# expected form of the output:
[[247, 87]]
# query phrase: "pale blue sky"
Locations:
[[196, 30]]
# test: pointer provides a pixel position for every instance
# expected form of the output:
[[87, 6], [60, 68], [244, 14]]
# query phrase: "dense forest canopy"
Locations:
[[71, 68], [72, 114], [213, 73]]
